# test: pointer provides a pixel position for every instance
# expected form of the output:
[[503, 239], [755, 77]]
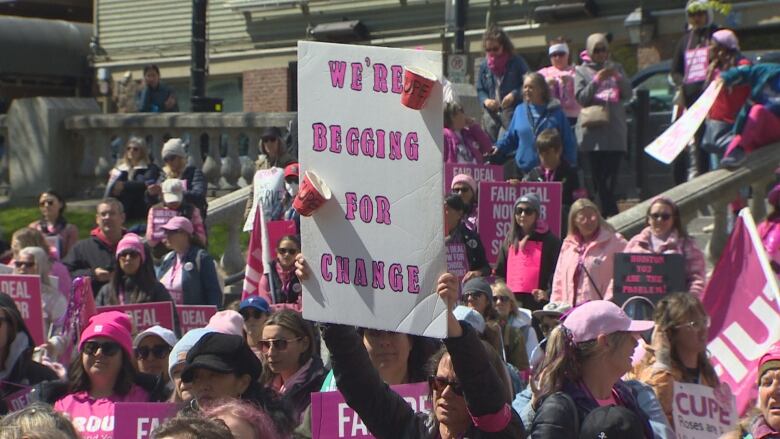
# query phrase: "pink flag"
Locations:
[[742, 301], [257, 256]]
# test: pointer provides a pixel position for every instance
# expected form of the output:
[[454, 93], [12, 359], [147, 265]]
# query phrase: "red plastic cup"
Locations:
[[312, 194], [418, 85]]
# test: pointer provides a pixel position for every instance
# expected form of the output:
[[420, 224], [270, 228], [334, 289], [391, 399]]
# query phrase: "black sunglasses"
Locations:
[[599, 50], [159, 351], [458, 190], [107, 348], [660, 216], [525, 210], [251, 313], [439, 384], [22, 264], [278, 344], [287, 251], [472, 295]]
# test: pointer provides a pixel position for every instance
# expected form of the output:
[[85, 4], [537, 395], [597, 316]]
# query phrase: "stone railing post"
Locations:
[[232, 260], [231, 165], [758, 200], [720, 235], [212, 166]]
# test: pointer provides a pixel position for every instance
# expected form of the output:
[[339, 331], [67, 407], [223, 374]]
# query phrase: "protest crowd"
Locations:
[[549, 329]]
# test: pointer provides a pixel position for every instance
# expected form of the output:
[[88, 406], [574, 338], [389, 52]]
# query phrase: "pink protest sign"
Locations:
[[137, 420], [278, 229], [145, 315], [522, 267], [158, 217], [741, 299], [477, 172], [496, 210], [19, 399], [457, 262], [194, 316], [669, 144], [26, 292], [332, 418]]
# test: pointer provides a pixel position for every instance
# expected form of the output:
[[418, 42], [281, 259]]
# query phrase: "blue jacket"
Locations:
[[757, 76], [200, 284], [512, 82], [520, 137]]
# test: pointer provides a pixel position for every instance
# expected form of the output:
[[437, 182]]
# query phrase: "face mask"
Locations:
[[291, 188]]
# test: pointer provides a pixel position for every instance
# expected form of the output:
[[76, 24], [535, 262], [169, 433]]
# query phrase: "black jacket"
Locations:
[[475, 251], [87, 255], [570, 185], [387, 415], [281, 293], [551, 246], [195, 193], [691, 40], [555, 419], [157, 294], [133, 195]]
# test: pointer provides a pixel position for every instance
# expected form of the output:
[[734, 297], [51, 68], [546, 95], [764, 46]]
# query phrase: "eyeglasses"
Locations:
[[557, 54], [278, 344], [46, 203], [458, 190], [501, 299], [251, 313], [695, 325], [473, 295], [287, 251], [660, 216], [439, 384], [528, 211], [159, 351], [23, 264], [492, 49], [131, 254], [107, 348], [599, 50]]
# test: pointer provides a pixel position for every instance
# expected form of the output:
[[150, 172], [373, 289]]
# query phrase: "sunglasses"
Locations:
[[558, 54], [131, 254], [661, 216], [278, 344], [599, 50], [107, 348], [501, 299], [439, 384], [696, 325], [159, 351], [22, 264], [492, 49], [528, 211], [252, 314], [170, 158], [287, 251], [132, 148], [458, 190], [473, 295], [46, 203]]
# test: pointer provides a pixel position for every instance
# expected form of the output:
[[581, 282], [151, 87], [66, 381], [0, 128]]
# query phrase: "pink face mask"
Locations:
[[497, 63]]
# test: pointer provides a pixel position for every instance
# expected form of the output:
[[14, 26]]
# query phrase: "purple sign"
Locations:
[[496, 210], [332, 418], [137, 420], [477, 172]]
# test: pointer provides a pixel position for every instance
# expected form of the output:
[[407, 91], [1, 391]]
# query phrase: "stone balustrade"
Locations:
[[713, 192], [223, 145], [5, 182]]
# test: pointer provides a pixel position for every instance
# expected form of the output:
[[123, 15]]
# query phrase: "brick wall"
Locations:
[[265, 90]]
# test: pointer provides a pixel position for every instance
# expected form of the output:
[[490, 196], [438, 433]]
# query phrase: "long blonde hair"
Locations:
[[139, 142], [580, 205]]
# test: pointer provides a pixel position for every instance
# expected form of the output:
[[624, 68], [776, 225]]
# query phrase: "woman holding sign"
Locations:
[[665, 234], [585, 265], [528, 257], [679, 352]]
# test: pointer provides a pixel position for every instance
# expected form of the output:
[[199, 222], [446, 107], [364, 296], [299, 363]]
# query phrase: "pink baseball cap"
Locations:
[[178, 223], [227, 322], [591, 319], [114, 325]]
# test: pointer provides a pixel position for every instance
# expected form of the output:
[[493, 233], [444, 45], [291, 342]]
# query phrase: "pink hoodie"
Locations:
[[598, 257], [94, 418], [695, 267]]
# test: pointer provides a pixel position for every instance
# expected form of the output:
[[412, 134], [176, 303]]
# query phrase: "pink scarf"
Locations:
[[497, 63]]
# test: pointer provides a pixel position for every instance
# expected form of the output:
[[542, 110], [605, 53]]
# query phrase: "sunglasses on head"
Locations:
[[287, 251], [525, 211], [661, 216], [251, 313], [278, 344], [439, 384], [107, 348], [159, 351], [23, 264], [46, 203]]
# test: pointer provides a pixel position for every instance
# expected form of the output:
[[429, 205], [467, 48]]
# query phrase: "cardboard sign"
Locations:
[[497, 210], [523, 266], [376, 248], [194, 316], [701, 412], [137, 420], [332, 418], [159, 217], [55, 245], [268, 189], [25, 289], [668, 145], [457, 261], [277, 230], [145, 315], [647, 275], [479, 173]]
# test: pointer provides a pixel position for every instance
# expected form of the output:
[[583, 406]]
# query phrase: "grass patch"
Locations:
[[14, 218]]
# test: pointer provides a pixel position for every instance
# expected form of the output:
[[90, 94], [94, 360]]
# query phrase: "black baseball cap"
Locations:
[[222, 353], [272, 133]]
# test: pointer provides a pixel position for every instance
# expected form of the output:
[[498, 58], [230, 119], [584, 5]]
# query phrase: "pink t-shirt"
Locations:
[[94, 418], [172, 279], [564, 88]]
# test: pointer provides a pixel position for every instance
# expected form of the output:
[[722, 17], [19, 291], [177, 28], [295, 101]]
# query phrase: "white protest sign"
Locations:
[[376, 249], [268, 189], [701, 412]]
